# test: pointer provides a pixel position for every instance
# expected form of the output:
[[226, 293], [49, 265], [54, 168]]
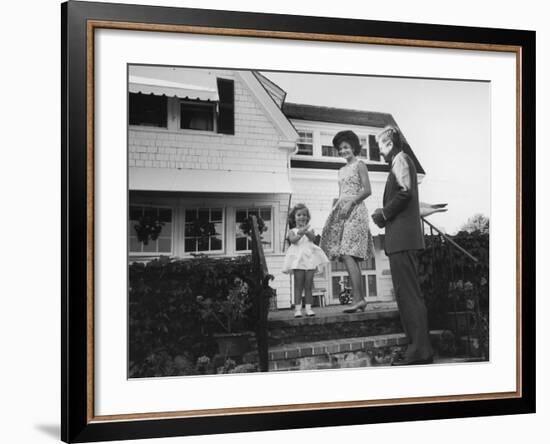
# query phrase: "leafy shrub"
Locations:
[[451, 281], [168, 329]]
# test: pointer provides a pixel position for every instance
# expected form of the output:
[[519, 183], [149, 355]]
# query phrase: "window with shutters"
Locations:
[[217, 117], [148, 110], [226, 106], [197, 115]]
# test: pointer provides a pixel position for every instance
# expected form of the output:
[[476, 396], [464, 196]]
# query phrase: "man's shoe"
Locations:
[[361, 305]]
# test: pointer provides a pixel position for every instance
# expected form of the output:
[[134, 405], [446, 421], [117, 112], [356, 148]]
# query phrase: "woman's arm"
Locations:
[[365, 181], [335, 200]]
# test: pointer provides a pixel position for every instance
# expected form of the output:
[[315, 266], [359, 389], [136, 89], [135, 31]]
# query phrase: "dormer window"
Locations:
[[305, 143], [181, 99], [197, 115], [148, 110]]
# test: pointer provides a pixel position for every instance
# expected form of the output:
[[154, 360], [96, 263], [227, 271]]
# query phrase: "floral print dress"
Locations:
[[350, 236]]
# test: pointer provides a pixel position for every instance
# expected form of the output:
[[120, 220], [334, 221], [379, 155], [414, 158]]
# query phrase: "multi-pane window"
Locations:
[[242, 241], [373, 291], [144, 224], [340, 277], [305, 143], [369, 264], [148, 110], [341, 281], [197, 116], [203, 230], [327, 149]]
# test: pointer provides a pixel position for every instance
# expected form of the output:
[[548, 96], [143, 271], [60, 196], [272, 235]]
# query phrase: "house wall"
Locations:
[[317, 188], [253, 147]]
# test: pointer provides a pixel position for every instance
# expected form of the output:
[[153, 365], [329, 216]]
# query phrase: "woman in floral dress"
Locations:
[[346, 235]]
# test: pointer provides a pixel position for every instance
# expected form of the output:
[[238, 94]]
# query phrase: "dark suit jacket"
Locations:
[[402, 213]]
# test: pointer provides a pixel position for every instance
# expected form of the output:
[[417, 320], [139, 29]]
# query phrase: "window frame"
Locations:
[[365, 273], [150, 126], [223, 231], [321, 130], [203, 104], [300, 142], [247, 208], [172, 232]]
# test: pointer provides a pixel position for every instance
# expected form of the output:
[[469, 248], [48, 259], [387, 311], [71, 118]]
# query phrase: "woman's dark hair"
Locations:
[[347, 136], [292, 215]]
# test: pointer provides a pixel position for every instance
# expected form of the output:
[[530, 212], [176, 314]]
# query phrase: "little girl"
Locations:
[[302, 257]]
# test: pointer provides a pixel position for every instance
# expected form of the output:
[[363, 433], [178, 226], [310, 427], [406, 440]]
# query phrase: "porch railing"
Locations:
[[455, 284], [263, 292]]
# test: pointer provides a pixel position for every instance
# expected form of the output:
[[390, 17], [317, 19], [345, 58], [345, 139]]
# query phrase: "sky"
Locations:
[[446, 122]]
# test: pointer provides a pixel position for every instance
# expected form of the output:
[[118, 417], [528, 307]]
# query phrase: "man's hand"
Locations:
[[378, 218]]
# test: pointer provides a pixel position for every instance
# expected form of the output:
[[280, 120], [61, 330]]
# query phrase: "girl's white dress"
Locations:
[[303, 255]]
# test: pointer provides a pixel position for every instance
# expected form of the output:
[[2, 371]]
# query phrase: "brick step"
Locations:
[[369, 363], [341, 353], [331, 324]]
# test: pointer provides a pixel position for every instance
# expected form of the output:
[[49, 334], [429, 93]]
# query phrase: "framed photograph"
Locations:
[[275, 221]]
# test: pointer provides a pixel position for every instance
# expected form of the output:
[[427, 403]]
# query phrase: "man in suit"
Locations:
[[401, 218]]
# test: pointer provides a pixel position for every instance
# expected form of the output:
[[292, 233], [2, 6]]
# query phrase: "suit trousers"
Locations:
[[410, 301]]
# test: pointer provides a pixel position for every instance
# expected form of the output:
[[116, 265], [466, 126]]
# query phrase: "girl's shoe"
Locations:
[[355, 307], [298, 313], [309, 311]]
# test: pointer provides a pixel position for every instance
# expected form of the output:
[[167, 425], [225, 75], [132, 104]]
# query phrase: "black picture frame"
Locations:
[[77, 421]]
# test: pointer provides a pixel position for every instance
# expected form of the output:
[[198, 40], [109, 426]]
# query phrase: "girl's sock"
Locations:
[[309, 311]]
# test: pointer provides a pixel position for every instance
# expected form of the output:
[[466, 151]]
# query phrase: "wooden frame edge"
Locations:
[[95, 24]]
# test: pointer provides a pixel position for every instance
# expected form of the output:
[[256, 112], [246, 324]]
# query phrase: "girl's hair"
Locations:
[[292, 214], [350, 137]]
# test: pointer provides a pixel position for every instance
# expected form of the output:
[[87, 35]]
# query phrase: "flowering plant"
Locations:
[[246, 226], [229, 312], [148, 227]]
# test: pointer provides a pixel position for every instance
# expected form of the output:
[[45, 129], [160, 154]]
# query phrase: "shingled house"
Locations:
[[209, 147]]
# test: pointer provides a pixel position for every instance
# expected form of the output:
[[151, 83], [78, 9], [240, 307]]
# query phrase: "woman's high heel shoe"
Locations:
[[355, 307]]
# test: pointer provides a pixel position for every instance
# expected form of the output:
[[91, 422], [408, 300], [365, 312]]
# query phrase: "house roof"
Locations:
[[337, 115], [275, 91], [328, 114]]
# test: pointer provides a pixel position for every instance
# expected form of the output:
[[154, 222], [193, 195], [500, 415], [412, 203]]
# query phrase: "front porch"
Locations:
[[332, 339]]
